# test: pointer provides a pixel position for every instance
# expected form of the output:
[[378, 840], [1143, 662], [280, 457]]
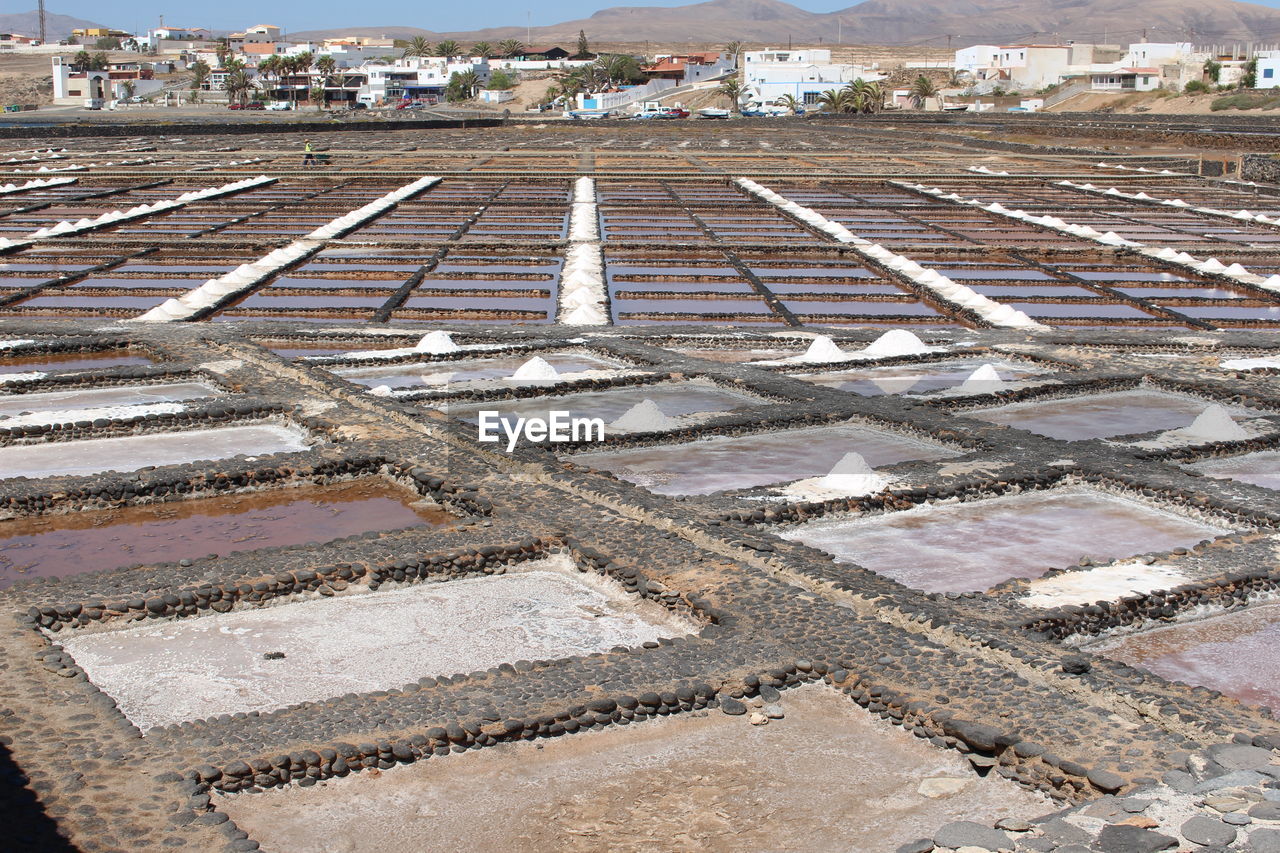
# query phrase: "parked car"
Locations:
[[279, 105], [411, 105], [254, 105], [235, 106]]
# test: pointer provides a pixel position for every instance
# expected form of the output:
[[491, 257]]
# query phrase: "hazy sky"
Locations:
[[325, 14]]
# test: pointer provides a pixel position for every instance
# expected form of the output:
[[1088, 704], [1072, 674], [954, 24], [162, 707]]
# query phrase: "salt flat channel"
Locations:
[[166, 672]]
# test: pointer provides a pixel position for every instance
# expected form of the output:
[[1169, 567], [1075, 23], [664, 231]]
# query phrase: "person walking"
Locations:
[[308, 155]]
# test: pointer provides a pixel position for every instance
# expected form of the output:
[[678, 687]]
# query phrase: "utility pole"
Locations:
[[528, 27], [42, 33]]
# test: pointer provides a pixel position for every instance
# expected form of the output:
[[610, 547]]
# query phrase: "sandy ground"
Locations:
[[1149, 103], [827, 777], [171, 671]]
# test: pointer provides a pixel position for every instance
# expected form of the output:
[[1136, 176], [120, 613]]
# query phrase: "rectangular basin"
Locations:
[[169, 671], [98, 540], [975, 545], [1232, 652], [740, 462], [679, 783], [1100, 415], [128, 453]]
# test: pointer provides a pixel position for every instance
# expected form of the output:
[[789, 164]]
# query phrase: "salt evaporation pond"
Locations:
[[914, 378], [441, 373], [973, 546], [739, 462], [187, 669], [667, 785], [53, 402], [46, 363], [1102, 415], [95, 455], [100, 540], [686, 399], [1260, 469], [1232, 652]]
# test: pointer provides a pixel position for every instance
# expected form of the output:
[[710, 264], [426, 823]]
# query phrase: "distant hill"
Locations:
[[57, 27], [892, 22]]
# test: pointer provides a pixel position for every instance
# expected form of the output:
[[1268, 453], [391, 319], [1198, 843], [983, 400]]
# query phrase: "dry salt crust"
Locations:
[[96, 455], [1102, 583], [172, 671], [701, 781], [69, 406]]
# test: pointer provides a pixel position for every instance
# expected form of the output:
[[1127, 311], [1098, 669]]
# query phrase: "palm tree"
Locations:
[[469, 82], [129, 88], [791, 103], [200, 74], [733, 48], [81, 61], [326, 65], [921, 90], [570, 83], [866, 97], [510, 48], [482, 48], [238, 85], [418, 46], [448, 49], [875, 98], [732, 89], [836, 100]]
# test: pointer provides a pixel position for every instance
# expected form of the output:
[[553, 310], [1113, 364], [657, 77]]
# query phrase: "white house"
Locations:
[[1268, 69], [1125, 80], [415, 77], [78, 88], [804, 74]]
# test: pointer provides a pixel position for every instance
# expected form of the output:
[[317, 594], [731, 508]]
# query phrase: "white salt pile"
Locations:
[[535, 368], [644, 416], [381, 391], [985, 380], [1214, 424], [852, 475], [822, 349], [436, 343], [896, 342]]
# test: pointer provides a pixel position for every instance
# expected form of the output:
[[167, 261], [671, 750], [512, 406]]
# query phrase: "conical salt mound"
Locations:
[[823, 349], [853, 474], [1215, 424], [643, 417], [984, 380], [896, 342], [436, 343], [381, 391], [535, 368]]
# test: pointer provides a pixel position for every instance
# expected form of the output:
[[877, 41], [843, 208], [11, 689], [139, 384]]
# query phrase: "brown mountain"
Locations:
[[893, 22], [57, 27]]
